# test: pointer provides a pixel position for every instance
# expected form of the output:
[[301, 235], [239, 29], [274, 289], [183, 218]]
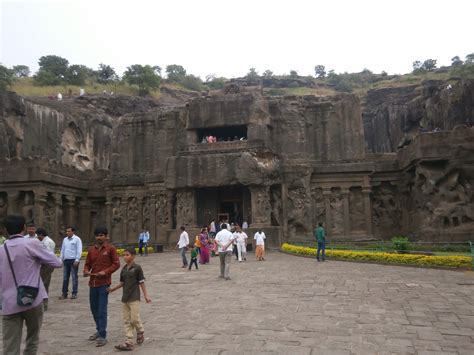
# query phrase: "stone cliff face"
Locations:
[[388, 114], [281, 163]]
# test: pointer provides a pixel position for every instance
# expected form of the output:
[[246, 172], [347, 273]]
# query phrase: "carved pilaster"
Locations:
[[39, 208], [13, 197], [84, 225], [71, 212], [261, 208], [58, 223], [186, 208], [153, 223], [327, 207], [345, 201], [366, 191]]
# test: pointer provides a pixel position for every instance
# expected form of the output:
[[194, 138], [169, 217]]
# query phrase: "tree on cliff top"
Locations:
[[6, 78], [21, 71], [320, 71], [144, 76], [106, 74], [52, 70], [175, 73]]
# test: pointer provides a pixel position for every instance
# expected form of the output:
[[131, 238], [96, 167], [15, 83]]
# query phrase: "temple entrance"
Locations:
[[223, 203]]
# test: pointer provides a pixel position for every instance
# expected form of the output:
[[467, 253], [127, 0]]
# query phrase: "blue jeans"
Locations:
[[321, 246], [183, 255], [69, 269], [99, 299]]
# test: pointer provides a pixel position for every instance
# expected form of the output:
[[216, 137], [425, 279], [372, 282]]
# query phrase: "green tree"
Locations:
[[267, 74], [429, 64], [192, 82], [252, 74], [293, 73], [144, 76], [6, 78], [175, 73], [52, 70], [215, 83], [455, 61], [469, 58], [320, 71], [106, 74], [77, 74], [21, 71]]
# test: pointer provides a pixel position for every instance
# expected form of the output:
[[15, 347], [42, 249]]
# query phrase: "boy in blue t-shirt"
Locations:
[[320, 235]]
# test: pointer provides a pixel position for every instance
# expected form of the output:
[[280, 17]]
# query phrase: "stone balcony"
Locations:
[[221, 147]]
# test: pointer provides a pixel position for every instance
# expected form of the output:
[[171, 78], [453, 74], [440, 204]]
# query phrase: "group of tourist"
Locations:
[[214, 139], [27, 261], [221, 240]]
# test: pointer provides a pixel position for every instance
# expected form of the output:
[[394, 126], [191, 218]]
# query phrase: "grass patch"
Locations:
[[448, 261]]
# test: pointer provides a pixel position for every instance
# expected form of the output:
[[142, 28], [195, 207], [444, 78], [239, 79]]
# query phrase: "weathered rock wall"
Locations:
[[388, 114]]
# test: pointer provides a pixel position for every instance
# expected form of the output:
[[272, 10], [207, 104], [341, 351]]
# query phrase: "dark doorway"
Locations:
[[231, 203]]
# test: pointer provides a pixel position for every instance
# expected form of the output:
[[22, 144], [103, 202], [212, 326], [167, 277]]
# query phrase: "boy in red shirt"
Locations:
[[102, 261]]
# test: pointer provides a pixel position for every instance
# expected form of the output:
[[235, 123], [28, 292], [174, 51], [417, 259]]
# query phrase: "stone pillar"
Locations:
[[284, 207], [58, 214], [71, 213], [84, 225], [108, 213], [12, 197], [327, 208], [345, 201], [152, 207], [366, 191], [261, 209], [39, 208]]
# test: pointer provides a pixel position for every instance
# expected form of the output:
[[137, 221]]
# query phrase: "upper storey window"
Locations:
[[222, 134]]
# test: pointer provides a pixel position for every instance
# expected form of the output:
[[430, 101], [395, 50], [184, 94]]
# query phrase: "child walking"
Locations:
[[131, 279], [194, 257]]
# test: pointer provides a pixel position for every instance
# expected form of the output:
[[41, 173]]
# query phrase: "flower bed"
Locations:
[[451, 261]]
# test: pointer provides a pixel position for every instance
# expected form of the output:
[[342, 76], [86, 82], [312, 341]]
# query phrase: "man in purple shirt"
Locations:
[[27, 255]]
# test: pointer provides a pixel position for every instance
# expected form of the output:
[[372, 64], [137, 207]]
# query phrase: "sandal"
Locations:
[[140, 337], [93, 336], [124, 347], [100, 342]]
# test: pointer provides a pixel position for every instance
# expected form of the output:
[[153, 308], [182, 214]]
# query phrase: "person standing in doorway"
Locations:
[[46, 270], [259, 238], [101, 262], [183, 245], [71, 250], [212, 228], [20, 263], [224, 240], [320, 235]]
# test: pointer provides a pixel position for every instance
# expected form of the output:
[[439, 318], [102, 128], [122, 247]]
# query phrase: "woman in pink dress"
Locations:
[[204, 238]]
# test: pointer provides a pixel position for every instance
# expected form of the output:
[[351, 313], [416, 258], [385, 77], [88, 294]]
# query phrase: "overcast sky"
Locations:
[[229, 37]]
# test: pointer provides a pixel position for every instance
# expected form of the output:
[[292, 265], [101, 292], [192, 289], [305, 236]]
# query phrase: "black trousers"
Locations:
[[193, 261]]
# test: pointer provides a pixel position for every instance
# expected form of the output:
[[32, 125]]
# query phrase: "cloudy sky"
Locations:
[[229, 37]]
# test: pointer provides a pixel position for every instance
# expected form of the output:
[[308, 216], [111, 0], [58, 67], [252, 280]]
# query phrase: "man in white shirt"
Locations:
[[259, 238], [241, 241], [71, 250], [224, 241], [46, 271], [30, 231], [143, 239], [183, 245]]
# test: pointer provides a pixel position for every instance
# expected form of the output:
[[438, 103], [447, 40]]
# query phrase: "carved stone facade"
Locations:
[[282, 164]]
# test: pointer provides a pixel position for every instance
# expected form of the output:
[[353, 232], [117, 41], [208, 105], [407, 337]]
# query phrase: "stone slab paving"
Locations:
[[287, 305]]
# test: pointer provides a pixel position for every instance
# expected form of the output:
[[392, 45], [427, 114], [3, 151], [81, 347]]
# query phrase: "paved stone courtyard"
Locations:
[[287, 304]]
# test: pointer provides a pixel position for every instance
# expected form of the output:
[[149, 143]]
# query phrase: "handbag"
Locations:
[[25, 294]]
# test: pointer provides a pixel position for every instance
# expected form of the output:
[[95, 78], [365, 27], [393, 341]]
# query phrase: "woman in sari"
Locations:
[[204, 239]]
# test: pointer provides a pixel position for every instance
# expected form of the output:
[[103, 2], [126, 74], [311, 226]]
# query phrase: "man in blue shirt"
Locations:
[[320, 235], [71, 250]]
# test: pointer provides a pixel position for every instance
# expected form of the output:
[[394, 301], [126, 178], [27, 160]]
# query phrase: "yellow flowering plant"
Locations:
[[452, 261]]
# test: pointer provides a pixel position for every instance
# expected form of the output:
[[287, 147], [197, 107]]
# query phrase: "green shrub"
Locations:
[[400, 244]]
